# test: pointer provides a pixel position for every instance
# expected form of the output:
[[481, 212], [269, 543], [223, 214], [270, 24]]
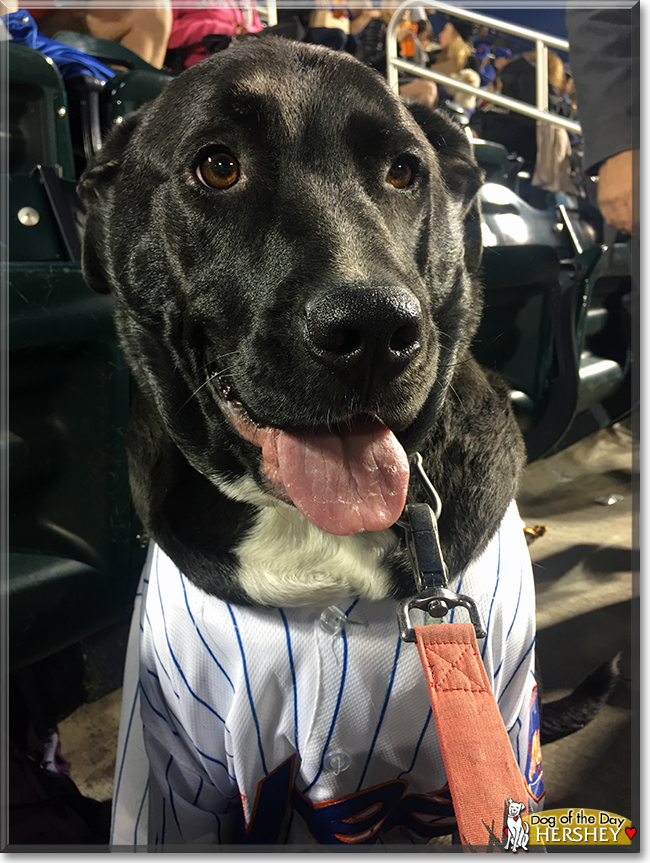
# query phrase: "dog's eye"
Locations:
[[401, 173], [218, 171]]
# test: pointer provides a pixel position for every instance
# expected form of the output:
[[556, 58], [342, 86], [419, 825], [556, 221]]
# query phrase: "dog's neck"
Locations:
[[286, 561]]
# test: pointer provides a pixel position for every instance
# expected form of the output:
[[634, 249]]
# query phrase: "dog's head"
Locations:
[[292, 251], [514, 809]]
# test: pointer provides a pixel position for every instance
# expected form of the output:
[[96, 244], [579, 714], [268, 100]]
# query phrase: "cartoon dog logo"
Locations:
[[516, 830]]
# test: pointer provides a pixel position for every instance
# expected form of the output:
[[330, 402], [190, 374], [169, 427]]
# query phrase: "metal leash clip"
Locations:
[[420, 524]]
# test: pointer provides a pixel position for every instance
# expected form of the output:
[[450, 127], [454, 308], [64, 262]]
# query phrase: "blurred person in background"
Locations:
[[144, 31], [372, 52], [456, 58], [456, 48], [191, 26], [491, 65], [569, 91], [329, 25], [603, 54], [516, 132], [337, 27]]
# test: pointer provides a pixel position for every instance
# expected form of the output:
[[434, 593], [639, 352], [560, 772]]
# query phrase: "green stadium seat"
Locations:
[[540, 329], [110, 53], [494, 159], [127, 91], [71, 519], [39, 131], [96, 106]]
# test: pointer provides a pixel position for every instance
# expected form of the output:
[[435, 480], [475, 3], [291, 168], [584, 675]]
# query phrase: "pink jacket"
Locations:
[[191, 25]]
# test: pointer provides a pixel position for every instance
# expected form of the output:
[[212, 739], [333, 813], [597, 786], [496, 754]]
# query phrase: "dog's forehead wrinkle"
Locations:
[[284, 100], [300, 99]]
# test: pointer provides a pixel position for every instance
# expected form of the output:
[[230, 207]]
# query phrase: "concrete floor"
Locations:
[[583, 572], [583, 575]]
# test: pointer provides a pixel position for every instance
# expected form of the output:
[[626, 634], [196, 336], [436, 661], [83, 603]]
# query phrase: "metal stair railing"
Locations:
[[394, 64]]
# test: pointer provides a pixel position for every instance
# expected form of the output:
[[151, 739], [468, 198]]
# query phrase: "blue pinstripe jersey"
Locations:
[[248, 725]]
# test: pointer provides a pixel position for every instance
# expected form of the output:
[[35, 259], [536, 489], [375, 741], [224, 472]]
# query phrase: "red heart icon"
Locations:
[[630, 831]]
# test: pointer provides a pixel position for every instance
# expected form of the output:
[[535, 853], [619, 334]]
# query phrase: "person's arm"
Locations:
[[361, 19], [601, 54], [601, 64]]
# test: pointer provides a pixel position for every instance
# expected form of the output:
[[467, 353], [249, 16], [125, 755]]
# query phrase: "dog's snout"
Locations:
[[364, 329]]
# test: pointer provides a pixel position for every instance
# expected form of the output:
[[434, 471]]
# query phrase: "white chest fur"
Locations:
[[286, 561]]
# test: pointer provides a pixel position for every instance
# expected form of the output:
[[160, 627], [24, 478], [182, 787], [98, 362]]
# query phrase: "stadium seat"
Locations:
[[41, 162], [97, 105], [39, 131], [110, 53], [495, 160], [75, 556]]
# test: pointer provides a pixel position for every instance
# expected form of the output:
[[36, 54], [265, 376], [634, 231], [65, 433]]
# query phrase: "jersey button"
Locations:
[[332, 620], [336, 761]]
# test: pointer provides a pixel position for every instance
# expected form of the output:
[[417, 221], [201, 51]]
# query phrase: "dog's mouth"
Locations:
[[345, 480]]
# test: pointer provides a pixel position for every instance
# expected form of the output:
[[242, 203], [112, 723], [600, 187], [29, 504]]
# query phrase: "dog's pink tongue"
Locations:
[[348, 482]]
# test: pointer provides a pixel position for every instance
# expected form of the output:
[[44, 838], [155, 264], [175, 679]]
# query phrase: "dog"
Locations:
[[294, 255], [516, 829]]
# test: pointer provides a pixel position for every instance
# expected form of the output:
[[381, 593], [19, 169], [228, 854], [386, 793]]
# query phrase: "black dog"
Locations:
[[294, 266], [294, 253]]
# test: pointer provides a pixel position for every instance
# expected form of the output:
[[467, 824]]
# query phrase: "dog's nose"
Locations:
[[367, 330]]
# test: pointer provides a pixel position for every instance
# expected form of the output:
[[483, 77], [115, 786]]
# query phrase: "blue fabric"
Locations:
[[488, 74], [69, 60]]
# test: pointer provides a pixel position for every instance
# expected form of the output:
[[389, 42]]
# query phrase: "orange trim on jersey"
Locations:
[[530, 793], [360, 837], [249, 821], [534, 748], [361, 816], [437, 795]]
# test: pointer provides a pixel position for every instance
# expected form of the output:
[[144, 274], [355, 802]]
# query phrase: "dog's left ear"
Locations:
[[461, 171], [93, 189]]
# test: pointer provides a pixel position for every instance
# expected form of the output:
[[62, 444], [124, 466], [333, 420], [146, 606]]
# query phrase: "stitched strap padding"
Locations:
[[480, 764]]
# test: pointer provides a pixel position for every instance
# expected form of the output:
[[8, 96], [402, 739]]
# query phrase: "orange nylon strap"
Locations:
[[481, 768]]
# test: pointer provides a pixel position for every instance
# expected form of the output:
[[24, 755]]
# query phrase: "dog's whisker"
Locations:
[[221, 358], [452, 388], [200, 387]]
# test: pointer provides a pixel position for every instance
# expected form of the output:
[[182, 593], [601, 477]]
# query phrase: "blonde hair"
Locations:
[[457, 53], [555, 67]]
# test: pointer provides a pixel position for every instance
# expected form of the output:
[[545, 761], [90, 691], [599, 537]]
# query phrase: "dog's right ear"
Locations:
[[461, 172], [93, 190]]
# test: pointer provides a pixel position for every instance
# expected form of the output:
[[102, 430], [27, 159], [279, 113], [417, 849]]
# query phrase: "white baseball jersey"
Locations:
[[292, 725]]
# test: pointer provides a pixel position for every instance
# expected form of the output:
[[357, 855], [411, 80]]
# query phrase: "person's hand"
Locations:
[[615, 190], [240, 30]]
